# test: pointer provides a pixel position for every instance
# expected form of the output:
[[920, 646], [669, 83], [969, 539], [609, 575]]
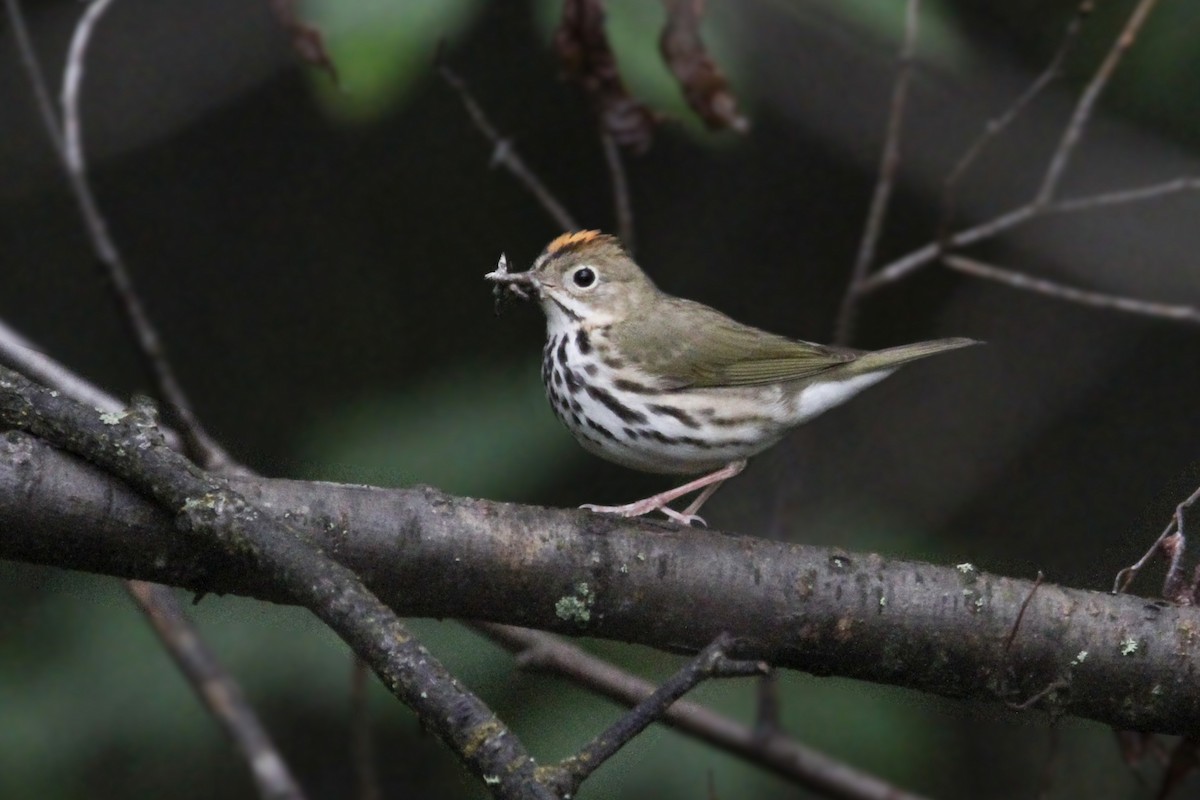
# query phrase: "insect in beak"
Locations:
[[508, 283]]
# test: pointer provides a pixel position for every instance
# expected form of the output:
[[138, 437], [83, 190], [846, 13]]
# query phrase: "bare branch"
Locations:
[[930, 253], [504, 153], [221, 520], [888, 165], [1028, 283], [217, 689], [213, 684], [935, 629], [713, 661], [620, 190], [202, 446], [1087, 102], [1122, 196], [774, 751], [771, 749], [995, 127], [23, 356]]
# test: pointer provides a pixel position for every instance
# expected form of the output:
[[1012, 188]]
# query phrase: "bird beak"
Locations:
[[519, 283]]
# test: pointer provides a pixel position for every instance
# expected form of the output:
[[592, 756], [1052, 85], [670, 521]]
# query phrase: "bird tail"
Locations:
[[897, 356]]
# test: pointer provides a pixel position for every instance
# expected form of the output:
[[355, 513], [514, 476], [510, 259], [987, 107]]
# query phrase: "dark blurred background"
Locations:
[[314, 256]]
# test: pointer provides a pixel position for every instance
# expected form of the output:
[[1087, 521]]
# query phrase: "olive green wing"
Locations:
[[689, 344]]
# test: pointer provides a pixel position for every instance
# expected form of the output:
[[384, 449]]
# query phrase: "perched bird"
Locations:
[[661, 384]]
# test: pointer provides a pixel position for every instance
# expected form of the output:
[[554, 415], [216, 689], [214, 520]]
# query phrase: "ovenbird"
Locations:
[[661, 384]]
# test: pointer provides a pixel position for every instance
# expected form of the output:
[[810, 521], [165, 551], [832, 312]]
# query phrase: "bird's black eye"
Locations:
[[584, 277]]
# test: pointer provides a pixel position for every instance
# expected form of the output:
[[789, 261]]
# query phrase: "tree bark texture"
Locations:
[[1119, 659]]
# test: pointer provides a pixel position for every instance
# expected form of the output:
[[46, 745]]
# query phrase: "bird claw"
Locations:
[[687, 520]]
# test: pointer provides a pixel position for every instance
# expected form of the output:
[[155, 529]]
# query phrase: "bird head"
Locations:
[[582, 276]]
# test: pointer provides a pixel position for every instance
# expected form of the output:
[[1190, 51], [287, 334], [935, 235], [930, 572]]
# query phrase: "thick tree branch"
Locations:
[[1127, 660], [219, 519]]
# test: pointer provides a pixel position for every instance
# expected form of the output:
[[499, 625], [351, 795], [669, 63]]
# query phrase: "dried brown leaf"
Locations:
[[307, 40], [704, 86], [582, 46]]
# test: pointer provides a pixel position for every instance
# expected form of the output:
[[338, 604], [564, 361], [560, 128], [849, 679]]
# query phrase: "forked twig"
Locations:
[[775, 751], [996, 126], [1174, 527], [888, 165], [1045, 201], [712, 662], [930, 253]]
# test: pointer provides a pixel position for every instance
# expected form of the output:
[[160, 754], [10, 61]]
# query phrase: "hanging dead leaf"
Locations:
[[582, 46], [704, 86], [307, 40]]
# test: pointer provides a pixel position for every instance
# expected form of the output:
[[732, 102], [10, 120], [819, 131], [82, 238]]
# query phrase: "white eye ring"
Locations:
[[583, 278]]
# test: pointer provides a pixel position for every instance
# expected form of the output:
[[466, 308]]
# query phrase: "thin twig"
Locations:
[[361, 741], [783, 756], [20, 354], [33, 69], [888, 166], [712, 662], [1127, 575], [1012, 634], [930, 253], [212, 683], [996, 126], [504, 153], [1087, 102], [1051, 688], [200, 446], [217, 689], [622, 205], [1028, 283]]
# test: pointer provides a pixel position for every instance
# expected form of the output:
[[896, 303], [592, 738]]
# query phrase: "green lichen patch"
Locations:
[[576, 607]]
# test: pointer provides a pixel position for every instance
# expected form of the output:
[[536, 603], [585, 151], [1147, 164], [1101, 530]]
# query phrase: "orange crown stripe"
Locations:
[[568, 240]]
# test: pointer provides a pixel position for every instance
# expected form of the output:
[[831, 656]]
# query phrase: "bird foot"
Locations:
[[643, 507]]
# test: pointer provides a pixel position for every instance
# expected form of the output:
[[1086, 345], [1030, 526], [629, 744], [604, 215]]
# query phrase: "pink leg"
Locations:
[[709, 483]]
